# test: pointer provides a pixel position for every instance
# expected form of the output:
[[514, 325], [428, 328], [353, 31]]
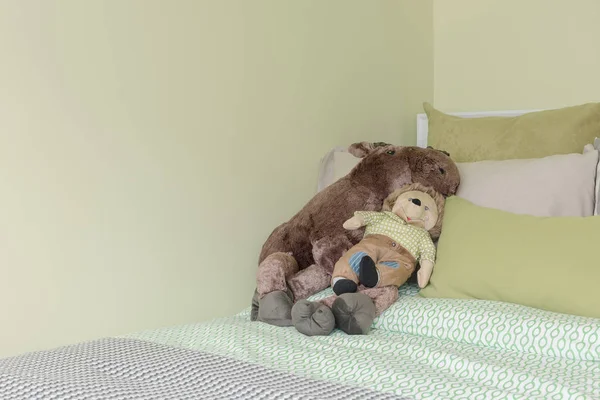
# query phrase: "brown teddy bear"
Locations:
[[298, 258], [396, 238]]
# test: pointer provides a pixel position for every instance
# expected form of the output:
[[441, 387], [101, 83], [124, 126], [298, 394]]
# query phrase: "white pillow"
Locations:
[[559, 185]]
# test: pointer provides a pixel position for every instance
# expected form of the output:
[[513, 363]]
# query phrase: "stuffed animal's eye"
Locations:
[[390, 152], [442, 171]]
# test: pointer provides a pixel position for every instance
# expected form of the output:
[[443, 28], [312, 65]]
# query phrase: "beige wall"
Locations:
[[149, 147], [515, 54]]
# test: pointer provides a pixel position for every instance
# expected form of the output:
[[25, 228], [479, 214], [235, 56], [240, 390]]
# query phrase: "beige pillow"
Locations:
[[560, 185], [532, 135], [551, 186], [597, 191], [336, 164]]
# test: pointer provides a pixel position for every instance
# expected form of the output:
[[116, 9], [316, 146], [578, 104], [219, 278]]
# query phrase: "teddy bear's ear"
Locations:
[[443, 151], [363, 149]]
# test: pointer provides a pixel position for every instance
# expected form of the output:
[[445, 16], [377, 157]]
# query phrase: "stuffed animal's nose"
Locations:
[[416, 202]]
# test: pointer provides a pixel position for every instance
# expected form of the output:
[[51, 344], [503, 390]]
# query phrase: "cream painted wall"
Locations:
[[515, 54], [149, 147]]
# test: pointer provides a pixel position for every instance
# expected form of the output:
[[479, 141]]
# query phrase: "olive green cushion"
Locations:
[[489, 254], [532, 135]]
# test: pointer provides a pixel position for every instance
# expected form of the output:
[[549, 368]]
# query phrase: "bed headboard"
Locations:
[[423, 126]]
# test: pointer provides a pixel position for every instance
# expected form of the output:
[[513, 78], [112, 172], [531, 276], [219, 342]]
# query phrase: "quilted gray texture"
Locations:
[[133, 369]]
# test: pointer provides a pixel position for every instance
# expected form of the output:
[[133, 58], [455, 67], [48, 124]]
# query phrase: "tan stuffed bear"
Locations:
[[395, 239]]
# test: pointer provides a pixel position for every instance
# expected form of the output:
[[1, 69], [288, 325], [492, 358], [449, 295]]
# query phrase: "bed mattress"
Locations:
[[418, 349]]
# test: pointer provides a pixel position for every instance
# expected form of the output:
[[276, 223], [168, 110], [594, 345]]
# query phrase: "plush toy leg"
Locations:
[[342, 285], [326, 251], [382, 297], [275, 308], [309, 281], [273, 273], [272, 302], [354, 313], [368, 274], [254, 308], [312, 318]]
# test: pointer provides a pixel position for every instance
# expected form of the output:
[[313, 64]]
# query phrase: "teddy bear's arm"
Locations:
[[354, 223], [427, 260], [424, 273], [370, 217], [427, 248]]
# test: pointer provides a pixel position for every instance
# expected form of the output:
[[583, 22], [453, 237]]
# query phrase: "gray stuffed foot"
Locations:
[[254, 309], [312, 318], [354, 313], [275, 308]]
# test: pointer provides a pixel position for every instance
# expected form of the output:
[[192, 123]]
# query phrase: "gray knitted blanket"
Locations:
[[136, 369]]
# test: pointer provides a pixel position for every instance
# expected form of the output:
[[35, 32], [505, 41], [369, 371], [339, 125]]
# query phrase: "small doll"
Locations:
[[395, 240]]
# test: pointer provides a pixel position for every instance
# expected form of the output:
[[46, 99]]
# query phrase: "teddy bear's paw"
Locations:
[[275, 308], [354, 313], [312, 318]]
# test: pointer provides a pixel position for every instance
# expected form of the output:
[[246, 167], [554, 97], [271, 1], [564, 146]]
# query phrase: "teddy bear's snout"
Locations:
[[416, 202]]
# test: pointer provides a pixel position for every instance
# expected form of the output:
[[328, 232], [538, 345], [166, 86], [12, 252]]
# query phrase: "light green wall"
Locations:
[[149, 147], [515, 54]]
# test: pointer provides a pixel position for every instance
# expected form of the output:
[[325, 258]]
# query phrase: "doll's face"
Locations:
[[417, 208]]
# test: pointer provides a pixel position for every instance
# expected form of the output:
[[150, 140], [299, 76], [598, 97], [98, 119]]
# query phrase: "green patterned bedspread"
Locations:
[[423, 349]]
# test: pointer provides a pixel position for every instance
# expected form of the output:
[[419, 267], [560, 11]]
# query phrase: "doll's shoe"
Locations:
[[354, 313], [342, 286], [275, 308], [312, 318], [368, 274]]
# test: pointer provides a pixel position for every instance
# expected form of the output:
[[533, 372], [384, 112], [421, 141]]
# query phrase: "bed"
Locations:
[[420, 348]]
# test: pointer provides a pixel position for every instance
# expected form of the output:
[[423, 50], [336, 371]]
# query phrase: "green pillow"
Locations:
[[551, 263], [532, 135]]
